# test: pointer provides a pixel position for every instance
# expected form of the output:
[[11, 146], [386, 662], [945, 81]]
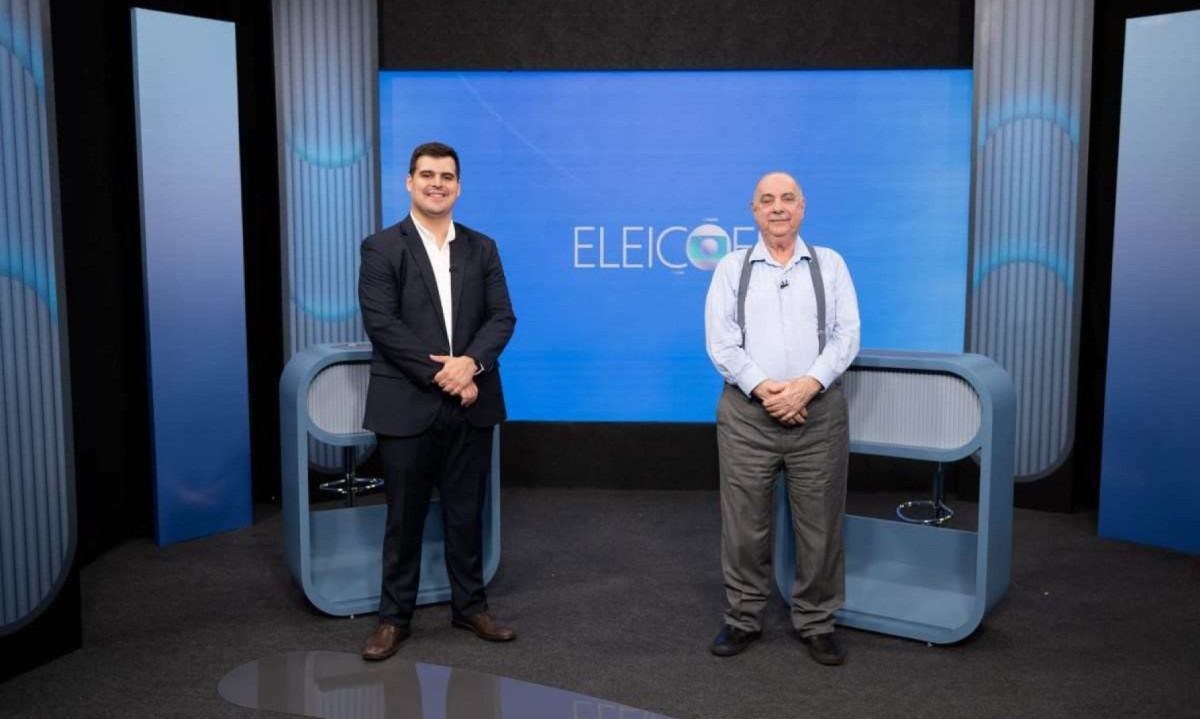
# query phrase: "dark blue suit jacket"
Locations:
[[402, 315]]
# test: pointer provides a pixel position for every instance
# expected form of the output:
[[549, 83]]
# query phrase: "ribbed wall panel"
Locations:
[[326, 79], [326, 76], [911, 409], [1032, 80], [337, 397], [37, 525]]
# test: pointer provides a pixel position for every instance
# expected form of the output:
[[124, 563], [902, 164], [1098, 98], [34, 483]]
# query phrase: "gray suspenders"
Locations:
[[818, 288]]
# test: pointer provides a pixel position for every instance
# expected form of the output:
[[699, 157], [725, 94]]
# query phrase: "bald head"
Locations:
[[778, 206], [777, 180]]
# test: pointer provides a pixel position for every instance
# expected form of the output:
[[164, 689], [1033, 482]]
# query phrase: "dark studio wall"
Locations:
[[664, 34]]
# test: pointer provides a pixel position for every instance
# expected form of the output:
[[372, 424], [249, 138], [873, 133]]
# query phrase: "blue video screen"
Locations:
[[613, 194]]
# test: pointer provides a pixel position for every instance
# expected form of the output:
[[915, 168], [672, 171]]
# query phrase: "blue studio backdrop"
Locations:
[[613, 194]]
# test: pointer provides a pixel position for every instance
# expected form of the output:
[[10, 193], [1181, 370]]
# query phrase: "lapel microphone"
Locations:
[[783, 284]]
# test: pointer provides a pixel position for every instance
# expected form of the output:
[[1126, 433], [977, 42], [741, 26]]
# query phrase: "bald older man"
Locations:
[[781, 322]]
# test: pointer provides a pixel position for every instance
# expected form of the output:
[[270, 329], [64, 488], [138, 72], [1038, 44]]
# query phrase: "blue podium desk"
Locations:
[[335, 554], [923, 582]]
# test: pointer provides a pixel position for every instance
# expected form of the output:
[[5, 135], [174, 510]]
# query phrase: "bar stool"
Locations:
[[935, 510], [350, 485], [336, 402]]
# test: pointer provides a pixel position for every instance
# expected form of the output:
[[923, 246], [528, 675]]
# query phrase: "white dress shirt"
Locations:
[[439, 257]]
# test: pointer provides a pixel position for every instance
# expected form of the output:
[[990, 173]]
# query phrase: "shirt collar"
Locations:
[[427, 234], [759, 252]]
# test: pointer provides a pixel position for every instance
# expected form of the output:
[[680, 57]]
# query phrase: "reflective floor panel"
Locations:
[[337, 685]]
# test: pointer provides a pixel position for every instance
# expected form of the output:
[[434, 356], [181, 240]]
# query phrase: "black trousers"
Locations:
[[455, 457]]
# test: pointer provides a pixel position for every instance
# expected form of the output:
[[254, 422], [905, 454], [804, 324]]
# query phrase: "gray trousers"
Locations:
[[754, 450]]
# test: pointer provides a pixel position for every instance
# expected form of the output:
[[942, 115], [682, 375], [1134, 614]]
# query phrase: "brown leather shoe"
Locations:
[[384, 641], [486, 627]]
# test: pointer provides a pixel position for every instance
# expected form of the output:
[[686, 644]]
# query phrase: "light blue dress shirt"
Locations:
[[781, 318]]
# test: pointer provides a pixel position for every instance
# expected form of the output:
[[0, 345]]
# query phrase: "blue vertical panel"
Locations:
[[187, 119], [37, 498], [1148, 487]]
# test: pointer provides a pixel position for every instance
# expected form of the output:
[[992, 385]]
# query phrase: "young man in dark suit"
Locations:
[[435, 306]]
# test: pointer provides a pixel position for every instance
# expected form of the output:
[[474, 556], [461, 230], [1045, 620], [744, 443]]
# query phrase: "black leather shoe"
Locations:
[[486, 627], [384, 641], [732, 641], [824, 648]]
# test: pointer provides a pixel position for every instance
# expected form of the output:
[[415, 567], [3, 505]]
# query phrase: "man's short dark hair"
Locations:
[[433, 149]]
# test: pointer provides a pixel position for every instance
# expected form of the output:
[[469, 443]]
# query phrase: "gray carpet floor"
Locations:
[[617, 594]]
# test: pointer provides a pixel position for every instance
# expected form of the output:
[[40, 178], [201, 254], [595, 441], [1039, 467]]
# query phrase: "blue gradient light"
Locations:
[[1055, 115], [328, 157], [1014, 252], [327, 309], [33, 274], [25, 50]]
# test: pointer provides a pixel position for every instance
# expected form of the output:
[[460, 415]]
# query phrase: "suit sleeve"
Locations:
[[493, 335], [379, 298]]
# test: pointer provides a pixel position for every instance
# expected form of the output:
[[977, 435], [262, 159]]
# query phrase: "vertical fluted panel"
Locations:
[[326, 71], [37, 527], [337, 397], [1032, 92], [326, 79], [911, 409]]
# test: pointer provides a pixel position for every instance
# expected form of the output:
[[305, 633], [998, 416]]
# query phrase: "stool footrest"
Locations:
[[938, 512], [353, 485]]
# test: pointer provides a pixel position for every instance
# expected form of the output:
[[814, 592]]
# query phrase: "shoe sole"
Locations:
[[464, 625], [381, 657]]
